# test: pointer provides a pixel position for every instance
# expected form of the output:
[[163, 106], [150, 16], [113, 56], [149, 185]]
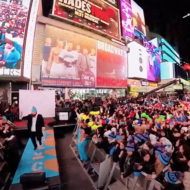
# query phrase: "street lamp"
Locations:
[[187, 15]]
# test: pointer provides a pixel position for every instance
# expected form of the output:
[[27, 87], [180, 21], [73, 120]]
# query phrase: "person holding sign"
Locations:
[[35, 124]]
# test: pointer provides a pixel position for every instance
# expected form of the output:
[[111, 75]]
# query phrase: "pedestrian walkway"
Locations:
[[72, 175]]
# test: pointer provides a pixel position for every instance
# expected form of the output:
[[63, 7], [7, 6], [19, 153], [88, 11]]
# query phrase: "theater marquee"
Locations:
[[96, 14]]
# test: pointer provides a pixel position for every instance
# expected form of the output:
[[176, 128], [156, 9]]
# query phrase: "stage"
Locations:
[[42, 159], [22, 125]]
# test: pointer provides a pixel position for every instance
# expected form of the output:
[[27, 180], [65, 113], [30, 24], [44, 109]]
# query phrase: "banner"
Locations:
[[141, 89], [69, 59], [13, 18], [127, 19], [43, 101], [111, 66], [146, 83], [96, 14], [138, 17], [133, 83]]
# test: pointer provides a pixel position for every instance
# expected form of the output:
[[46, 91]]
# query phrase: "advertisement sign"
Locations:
[[137, 61], [111, 66], [133, 83], [69, 59], [144, 62], [95, 14], [141, 89], [167, 70], [13, 18], [138, 17], [30, 39], [154, 60], [146, 83], [153, 84], [127, 19]]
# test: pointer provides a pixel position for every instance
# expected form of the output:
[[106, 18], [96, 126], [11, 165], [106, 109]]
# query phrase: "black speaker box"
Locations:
[[33, 180]]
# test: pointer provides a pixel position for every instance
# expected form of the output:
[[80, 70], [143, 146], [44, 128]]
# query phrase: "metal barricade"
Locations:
[[107, 170]]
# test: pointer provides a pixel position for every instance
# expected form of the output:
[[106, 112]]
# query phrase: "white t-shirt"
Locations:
[[92, 61], [69, 56], [33, 128]]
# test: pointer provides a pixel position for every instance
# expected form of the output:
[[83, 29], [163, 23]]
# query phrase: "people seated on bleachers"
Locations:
[[10, 144], [4, 126], [151, 137]]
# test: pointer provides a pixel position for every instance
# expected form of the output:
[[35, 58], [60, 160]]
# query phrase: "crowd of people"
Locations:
[[9, 144], [151, 136], [13, 17]]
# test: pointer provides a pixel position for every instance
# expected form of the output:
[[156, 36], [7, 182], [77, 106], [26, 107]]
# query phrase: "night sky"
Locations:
[[163, 17]]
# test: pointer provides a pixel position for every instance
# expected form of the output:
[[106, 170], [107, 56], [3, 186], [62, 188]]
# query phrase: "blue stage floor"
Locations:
[[42, 159]]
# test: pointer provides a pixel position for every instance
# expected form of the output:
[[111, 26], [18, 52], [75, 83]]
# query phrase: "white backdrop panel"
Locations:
[[44, 101]]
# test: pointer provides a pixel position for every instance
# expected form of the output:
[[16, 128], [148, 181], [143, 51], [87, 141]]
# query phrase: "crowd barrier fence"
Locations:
[[108, 172]]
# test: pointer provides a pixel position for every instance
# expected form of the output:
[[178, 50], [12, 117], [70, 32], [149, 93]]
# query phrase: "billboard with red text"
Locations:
[[74, 60], [95, 14], [111, 66]]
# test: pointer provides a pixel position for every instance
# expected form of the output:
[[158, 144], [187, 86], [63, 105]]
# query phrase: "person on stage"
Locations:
[[35, 124]]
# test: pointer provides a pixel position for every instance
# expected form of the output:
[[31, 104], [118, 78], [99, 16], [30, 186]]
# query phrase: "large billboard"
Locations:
[[138, 17], [111, 66], [137, 61], [127, 19], [154, 60], [13, 19], [133, 83], [95, 14], [144, 62], [69, 59]]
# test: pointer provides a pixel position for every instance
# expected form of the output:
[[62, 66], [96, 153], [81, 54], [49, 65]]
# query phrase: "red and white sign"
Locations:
[[96, 14], [111, 66]]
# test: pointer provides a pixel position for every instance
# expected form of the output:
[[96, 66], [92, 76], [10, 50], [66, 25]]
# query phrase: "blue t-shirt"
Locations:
[[46, 52]]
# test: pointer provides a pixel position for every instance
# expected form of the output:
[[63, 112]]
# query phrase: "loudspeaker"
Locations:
[[33, 180]]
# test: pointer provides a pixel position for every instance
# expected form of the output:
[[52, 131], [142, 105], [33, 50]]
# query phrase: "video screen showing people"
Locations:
[[13, 18], [67, 55]]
